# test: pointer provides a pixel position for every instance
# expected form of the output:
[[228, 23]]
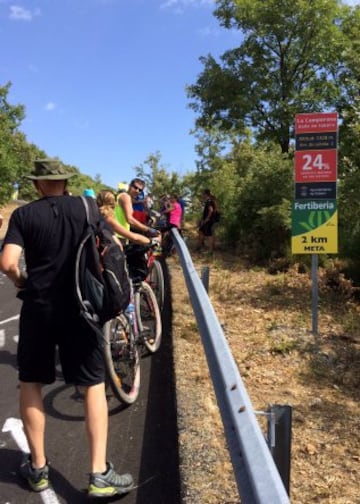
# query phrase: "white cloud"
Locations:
[[32, 68], [20, 14], [185, 3], [208, 31], [50, 106]]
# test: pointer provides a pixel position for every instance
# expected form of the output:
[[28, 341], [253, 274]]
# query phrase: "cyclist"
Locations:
[[90, 193], [50, 318], [124, 209], [107, 203], [139, 211]]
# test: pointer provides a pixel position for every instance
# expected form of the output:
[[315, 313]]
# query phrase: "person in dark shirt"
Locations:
[[206, 225], [48, 230]]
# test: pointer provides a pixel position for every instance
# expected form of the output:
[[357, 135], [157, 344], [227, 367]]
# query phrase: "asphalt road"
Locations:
[[142, 437]]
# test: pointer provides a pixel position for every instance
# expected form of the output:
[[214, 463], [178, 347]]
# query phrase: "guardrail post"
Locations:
[[205, 271], [279, 439]]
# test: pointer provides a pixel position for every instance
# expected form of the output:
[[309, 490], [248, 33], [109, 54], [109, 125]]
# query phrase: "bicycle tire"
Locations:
[[156, 281], [122, 359], [148, 317]]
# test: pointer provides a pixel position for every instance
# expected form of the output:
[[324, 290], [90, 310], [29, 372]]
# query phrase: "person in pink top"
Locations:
[[174, 212]]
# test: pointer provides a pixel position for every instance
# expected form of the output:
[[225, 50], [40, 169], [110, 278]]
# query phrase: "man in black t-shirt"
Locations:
[[48, 230], [207, 222]]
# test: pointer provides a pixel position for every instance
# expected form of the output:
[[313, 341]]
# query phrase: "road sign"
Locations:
[[315, 224], [317, 141], [316, 122], [316, 166], [315, 190]]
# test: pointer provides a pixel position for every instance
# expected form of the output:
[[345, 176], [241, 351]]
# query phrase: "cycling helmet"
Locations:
[[90, 193], [122, 187]]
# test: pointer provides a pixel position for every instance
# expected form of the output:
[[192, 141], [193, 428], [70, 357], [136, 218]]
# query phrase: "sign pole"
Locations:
[[315, 293]]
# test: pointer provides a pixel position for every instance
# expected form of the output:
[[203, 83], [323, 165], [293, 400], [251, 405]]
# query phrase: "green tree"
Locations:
[[157, 177], [348, 79], [286, 63], [12, 144], [260, 216]]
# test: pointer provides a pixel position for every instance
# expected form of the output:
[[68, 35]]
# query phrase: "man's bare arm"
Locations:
[[9, 264]]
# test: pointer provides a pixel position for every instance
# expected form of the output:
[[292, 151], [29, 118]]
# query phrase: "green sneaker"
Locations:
[[109, 483], [38, 479]]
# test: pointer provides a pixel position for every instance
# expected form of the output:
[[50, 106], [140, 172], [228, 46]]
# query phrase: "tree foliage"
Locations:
[[296, 56], [17, 156], [158, 179], [286, 63], [13, 148]]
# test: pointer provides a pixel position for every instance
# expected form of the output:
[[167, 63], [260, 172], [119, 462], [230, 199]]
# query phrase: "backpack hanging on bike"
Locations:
[[102, 286], [137, 261]]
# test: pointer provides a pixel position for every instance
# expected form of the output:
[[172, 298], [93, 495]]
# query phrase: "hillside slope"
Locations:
[[266, 320]]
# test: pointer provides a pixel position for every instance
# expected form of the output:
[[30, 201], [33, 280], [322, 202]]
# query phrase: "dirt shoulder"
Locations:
[[267, 322], [6, 211]]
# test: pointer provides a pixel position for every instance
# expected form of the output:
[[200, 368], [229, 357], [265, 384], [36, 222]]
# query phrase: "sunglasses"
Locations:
[[139, 189]]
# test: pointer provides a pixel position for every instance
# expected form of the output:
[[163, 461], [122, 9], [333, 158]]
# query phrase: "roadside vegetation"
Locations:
[[288, 57], [267, 322]]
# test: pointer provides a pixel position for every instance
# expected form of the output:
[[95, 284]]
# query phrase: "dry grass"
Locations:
[[6, 212], [267, 322]]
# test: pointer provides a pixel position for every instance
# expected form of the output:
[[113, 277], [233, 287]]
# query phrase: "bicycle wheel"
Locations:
[[122, 359], [155, 279], [148, 317]]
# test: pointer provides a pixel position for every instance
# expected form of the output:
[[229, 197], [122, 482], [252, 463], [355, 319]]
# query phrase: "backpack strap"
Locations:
[[85, 203], [92, 211]]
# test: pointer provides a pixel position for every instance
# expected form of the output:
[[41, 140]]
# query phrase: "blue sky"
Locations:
[[103, 81]]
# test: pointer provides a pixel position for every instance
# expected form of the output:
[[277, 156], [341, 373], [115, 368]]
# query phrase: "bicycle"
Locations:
[[155, 277], [122, 359], [167, 244], [127, 335]]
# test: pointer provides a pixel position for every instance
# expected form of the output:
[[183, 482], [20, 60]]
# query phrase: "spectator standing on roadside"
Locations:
[[149, 202], [48, 230], [173, 211], [183, 205], [206, 225]]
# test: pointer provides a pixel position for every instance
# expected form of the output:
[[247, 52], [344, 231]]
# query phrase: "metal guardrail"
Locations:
[[256, 474]]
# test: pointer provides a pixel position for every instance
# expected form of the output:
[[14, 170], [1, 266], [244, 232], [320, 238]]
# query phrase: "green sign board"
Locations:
[[314, 227]]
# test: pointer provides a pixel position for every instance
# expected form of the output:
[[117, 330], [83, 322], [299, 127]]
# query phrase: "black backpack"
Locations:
[[216, 216], [102, 285]]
